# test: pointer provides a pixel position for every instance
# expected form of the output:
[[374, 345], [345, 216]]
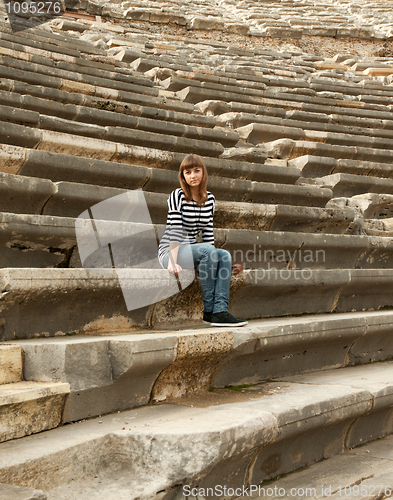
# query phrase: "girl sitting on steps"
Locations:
[[190, 210]]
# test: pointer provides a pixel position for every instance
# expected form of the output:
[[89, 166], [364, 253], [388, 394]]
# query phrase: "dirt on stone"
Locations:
[[227, 395]]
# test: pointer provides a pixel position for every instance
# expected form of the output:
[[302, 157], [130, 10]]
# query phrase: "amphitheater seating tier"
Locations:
[[105, 99]]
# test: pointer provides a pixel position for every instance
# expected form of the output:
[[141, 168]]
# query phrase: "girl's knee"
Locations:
[[209, 251], [225, 256]]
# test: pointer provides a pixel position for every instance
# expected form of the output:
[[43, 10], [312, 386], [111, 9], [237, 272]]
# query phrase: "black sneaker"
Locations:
[[207, 317], [226, 319]]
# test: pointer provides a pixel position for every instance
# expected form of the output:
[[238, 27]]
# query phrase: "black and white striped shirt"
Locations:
[[185, 221]]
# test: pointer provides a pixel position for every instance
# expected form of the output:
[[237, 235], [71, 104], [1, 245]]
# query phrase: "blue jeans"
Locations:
[[214, 266]]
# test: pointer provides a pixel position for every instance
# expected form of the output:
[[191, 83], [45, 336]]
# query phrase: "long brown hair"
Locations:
[[189, 162]]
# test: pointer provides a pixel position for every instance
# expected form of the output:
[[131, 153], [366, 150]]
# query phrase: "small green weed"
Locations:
[[237, 387]]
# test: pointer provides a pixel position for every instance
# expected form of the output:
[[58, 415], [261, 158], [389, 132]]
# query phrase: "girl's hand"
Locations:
[[174, 268]]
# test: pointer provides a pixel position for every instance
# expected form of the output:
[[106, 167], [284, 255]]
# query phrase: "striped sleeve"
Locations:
[[207, 231], [175, 231]]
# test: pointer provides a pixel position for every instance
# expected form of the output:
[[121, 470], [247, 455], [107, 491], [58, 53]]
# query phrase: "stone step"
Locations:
[[71, 301], [25, 80], [49, 241], [259, 133], [302, 148], [135, 369], [281, 100], [348, 185], [364, 473], [71, 199], [327, 97], [278, 426], [238, 120], [185, 79], [68, 62], [141, 163], [53, 75], [285, 100], [144, 64], [88, 140], [46, 241], [30, 407], [196, 95], [222, 78], [36, 240], [59, 167], [321, 85], [318, 166], [53, 42], [22, 194], [10, 364], [69, 105], [98, 123], [174, 83]]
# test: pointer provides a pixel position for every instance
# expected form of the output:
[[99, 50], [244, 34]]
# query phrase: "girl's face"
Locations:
[[193, 176]]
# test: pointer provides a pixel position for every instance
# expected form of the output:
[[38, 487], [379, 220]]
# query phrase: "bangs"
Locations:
[[191, 161]]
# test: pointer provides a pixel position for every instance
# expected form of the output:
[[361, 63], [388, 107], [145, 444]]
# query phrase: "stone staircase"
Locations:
[[298, 150], [26, 407]]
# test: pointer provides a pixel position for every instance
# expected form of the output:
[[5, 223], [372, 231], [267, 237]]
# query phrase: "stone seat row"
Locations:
[[307, 122], [54, 76], [88, 138], [286, 98], [71, 64], [298, 110], [374, 155], [78, 301], [52, 141], [14, 46], [259, 133], [18, 74], [151, 44], [50, 241], [257, 184], [320, 83], [151, 66], [335, 413], [43, 48], [26, 407], [343, 184], [231, 82], [53, 42], [138, 166], [319, 166], [23, 194], [107, 125], [250, 356], [133, 55], [70, 301]]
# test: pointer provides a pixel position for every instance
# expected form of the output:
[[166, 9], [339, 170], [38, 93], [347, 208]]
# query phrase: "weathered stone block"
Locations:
[[206, 23], [104, 374], [24, 194], [309, 429], [30, 407], [10, 364]]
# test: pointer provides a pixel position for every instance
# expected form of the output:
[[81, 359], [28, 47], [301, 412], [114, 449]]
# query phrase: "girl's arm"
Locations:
[[207, 231], [175, 232], [173, 267]]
